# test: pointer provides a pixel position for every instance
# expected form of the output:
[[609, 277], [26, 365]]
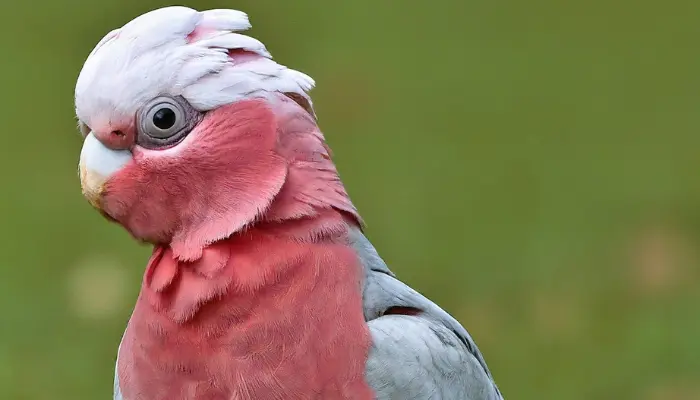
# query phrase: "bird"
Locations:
[[261, 283]]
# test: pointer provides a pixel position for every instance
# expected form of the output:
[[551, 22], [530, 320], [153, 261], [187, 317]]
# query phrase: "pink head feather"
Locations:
[[257, 154]]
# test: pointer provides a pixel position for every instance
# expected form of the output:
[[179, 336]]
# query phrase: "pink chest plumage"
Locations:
[[257, 317]]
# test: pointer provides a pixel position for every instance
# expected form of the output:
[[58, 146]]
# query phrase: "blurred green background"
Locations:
[[532, 166]]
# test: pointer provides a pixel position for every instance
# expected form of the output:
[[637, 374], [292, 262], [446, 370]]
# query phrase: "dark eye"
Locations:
[[164, 121], [164, 118]]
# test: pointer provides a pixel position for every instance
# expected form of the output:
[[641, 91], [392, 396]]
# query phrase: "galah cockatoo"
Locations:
[[261, 284]]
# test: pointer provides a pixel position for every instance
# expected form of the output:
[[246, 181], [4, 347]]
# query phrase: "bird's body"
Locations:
[[262, 284]]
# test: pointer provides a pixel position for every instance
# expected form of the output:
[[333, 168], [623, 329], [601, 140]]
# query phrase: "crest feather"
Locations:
[[181, 51]]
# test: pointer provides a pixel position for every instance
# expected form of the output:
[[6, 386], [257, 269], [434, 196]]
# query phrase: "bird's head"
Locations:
[[192, 132]]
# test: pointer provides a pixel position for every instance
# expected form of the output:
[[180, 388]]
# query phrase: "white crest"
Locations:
[[180, 52]]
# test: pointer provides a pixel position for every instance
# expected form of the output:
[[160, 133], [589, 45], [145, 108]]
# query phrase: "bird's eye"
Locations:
[[164, 121], [164, 118]]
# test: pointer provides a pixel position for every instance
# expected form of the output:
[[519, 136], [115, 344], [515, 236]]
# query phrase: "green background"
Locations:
[[529, 165]]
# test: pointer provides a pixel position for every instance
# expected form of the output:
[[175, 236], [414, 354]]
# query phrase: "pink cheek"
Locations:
[[114, 197], [121, 191], [141, 153], [138, 153]]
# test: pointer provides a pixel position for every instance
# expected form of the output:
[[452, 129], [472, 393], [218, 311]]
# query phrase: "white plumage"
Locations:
[[179, 51]]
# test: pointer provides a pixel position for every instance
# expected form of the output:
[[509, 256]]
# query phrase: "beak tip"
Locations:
[[92, 185], [97, 164]]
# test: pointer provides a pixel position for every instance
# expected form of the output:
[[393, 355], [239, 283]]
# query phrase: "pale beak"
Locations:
[[97, 164]]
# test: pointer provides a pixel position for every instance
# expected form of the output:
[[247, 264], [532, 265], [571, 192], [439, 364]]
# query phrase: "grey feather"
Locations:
[[416, 357], [117, 389]]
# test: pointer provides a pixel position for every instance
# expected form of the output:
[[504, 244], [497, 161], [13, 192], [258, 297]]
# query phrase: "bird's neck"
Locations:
[[281, 299], [312, 183], [247, 262]]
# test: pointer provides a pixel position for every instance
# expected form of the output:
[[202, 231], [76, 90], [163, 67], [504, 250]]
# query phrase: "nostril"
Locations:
[[115, 139]]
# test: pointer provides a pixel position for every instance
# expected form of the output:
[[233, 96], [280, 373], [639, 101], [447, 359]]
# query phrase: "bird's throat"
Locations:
[[253, 315]]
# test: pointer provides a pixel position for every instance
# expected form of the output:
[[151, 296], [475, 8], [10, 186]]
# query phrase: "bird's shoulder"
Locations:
[[419, 351]]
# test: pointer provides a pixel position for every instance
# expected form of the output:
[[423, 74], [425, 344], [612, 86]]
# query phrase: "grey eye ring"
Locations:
[[165, 121]]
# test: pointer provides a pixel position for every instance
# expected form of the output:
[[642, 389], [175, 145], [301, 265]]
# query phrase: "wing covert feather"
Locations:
[[424, 356]]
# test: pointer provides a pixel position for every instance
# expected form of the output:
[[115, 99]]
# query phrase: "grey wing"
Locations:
[[420, 352], [117, 389]]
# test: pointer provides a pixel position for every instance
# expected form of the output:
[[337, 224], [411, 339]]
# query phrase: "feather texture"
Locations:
[[423, 355], [179, 51]]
